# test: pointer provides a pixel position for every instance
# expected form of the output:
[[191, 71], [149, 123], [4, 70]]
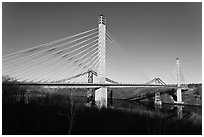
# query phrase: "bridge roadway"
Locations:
[[95, 85]]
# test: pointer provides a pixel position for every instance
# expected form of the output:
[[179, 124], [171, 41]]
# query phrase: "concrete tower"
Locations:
[[101, 94], [179, 94], [102, 49]]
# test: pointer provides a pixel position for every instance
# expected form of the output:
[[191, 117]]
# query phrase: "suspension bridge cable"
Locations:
[[109, 72], [115, 73], [113, 39], [73, 45], [64, 55], [35, 61], [76, 77], [61, 45], [98, 59], [40, 71], [71, 78], [82, 67], [127, 55], [59, 71], [80, 63], [112, 53], [109, 48], [113, 46], [115, 58], [49, 43], [20, 68], [80, 53], [59, 58], [33, 80], [115, 53], [183, 80], [47, 63], [82, 56], [83, 59], [96, 65], [116, 46], [92, 67], [113, 49]]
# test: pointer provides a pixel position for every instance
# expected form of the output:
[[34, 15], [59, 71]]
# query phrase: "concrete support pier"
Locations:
[[157, 99], [101, 99]]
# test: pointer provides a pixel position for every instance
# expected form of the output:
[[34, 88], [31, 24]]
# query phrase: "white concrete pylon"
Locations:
[[101, 99], [179, 94], [102, 49]]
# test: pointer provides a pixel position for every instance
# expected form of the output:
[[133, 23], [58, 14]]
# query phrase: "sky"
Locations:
[[153, 35]]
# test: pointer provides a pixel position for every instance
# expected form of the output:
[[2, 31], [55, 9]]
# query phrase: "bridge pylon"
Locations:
[[101, 94], [179, 93]]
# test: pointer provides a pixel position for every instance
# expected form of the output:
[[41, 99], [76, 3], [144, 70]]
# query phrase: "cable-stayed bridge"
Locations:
[[87, 59]]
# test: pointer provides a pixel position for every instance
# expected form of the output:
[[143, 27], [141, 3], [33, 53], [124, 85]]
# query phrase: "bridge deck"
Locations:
[[94, 85]]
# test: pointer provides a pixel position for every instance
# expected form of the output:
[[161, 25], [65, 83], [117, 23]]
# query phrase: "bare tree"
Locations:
[[71, 113]]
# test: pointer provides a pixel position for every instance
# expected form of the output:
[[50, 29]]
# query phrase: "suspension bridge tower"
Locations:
[[179, 94], [101, 94]]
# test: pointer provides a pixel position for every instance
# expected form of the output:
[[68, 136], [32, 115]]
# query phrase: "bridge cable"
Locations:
[[49, 43], [47, 68], [115, 74], [59, 58], [115, 59], [87, 71], [63, 68], [61, 45], [113, 55], [35, 61], [120, 49], [82, 66], [78, 71], [115, 43], [72, 66], [84, 59]]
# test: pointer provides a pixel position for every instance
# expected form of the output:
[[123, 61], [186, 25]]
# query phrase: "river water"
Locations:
[[193, 113]]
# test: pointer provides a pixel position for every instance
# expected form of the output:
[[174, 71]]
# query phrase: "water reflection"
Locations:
[[179, 112], [169, 111], [158, 107]]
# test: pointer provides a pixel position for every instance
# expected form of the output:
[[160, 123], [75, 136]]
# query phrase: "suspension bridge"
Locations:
[[68, 61]]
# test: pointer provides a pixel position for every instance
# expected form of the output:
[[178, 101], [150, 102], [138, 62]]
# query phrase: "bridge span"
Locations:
[[94, 85]]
